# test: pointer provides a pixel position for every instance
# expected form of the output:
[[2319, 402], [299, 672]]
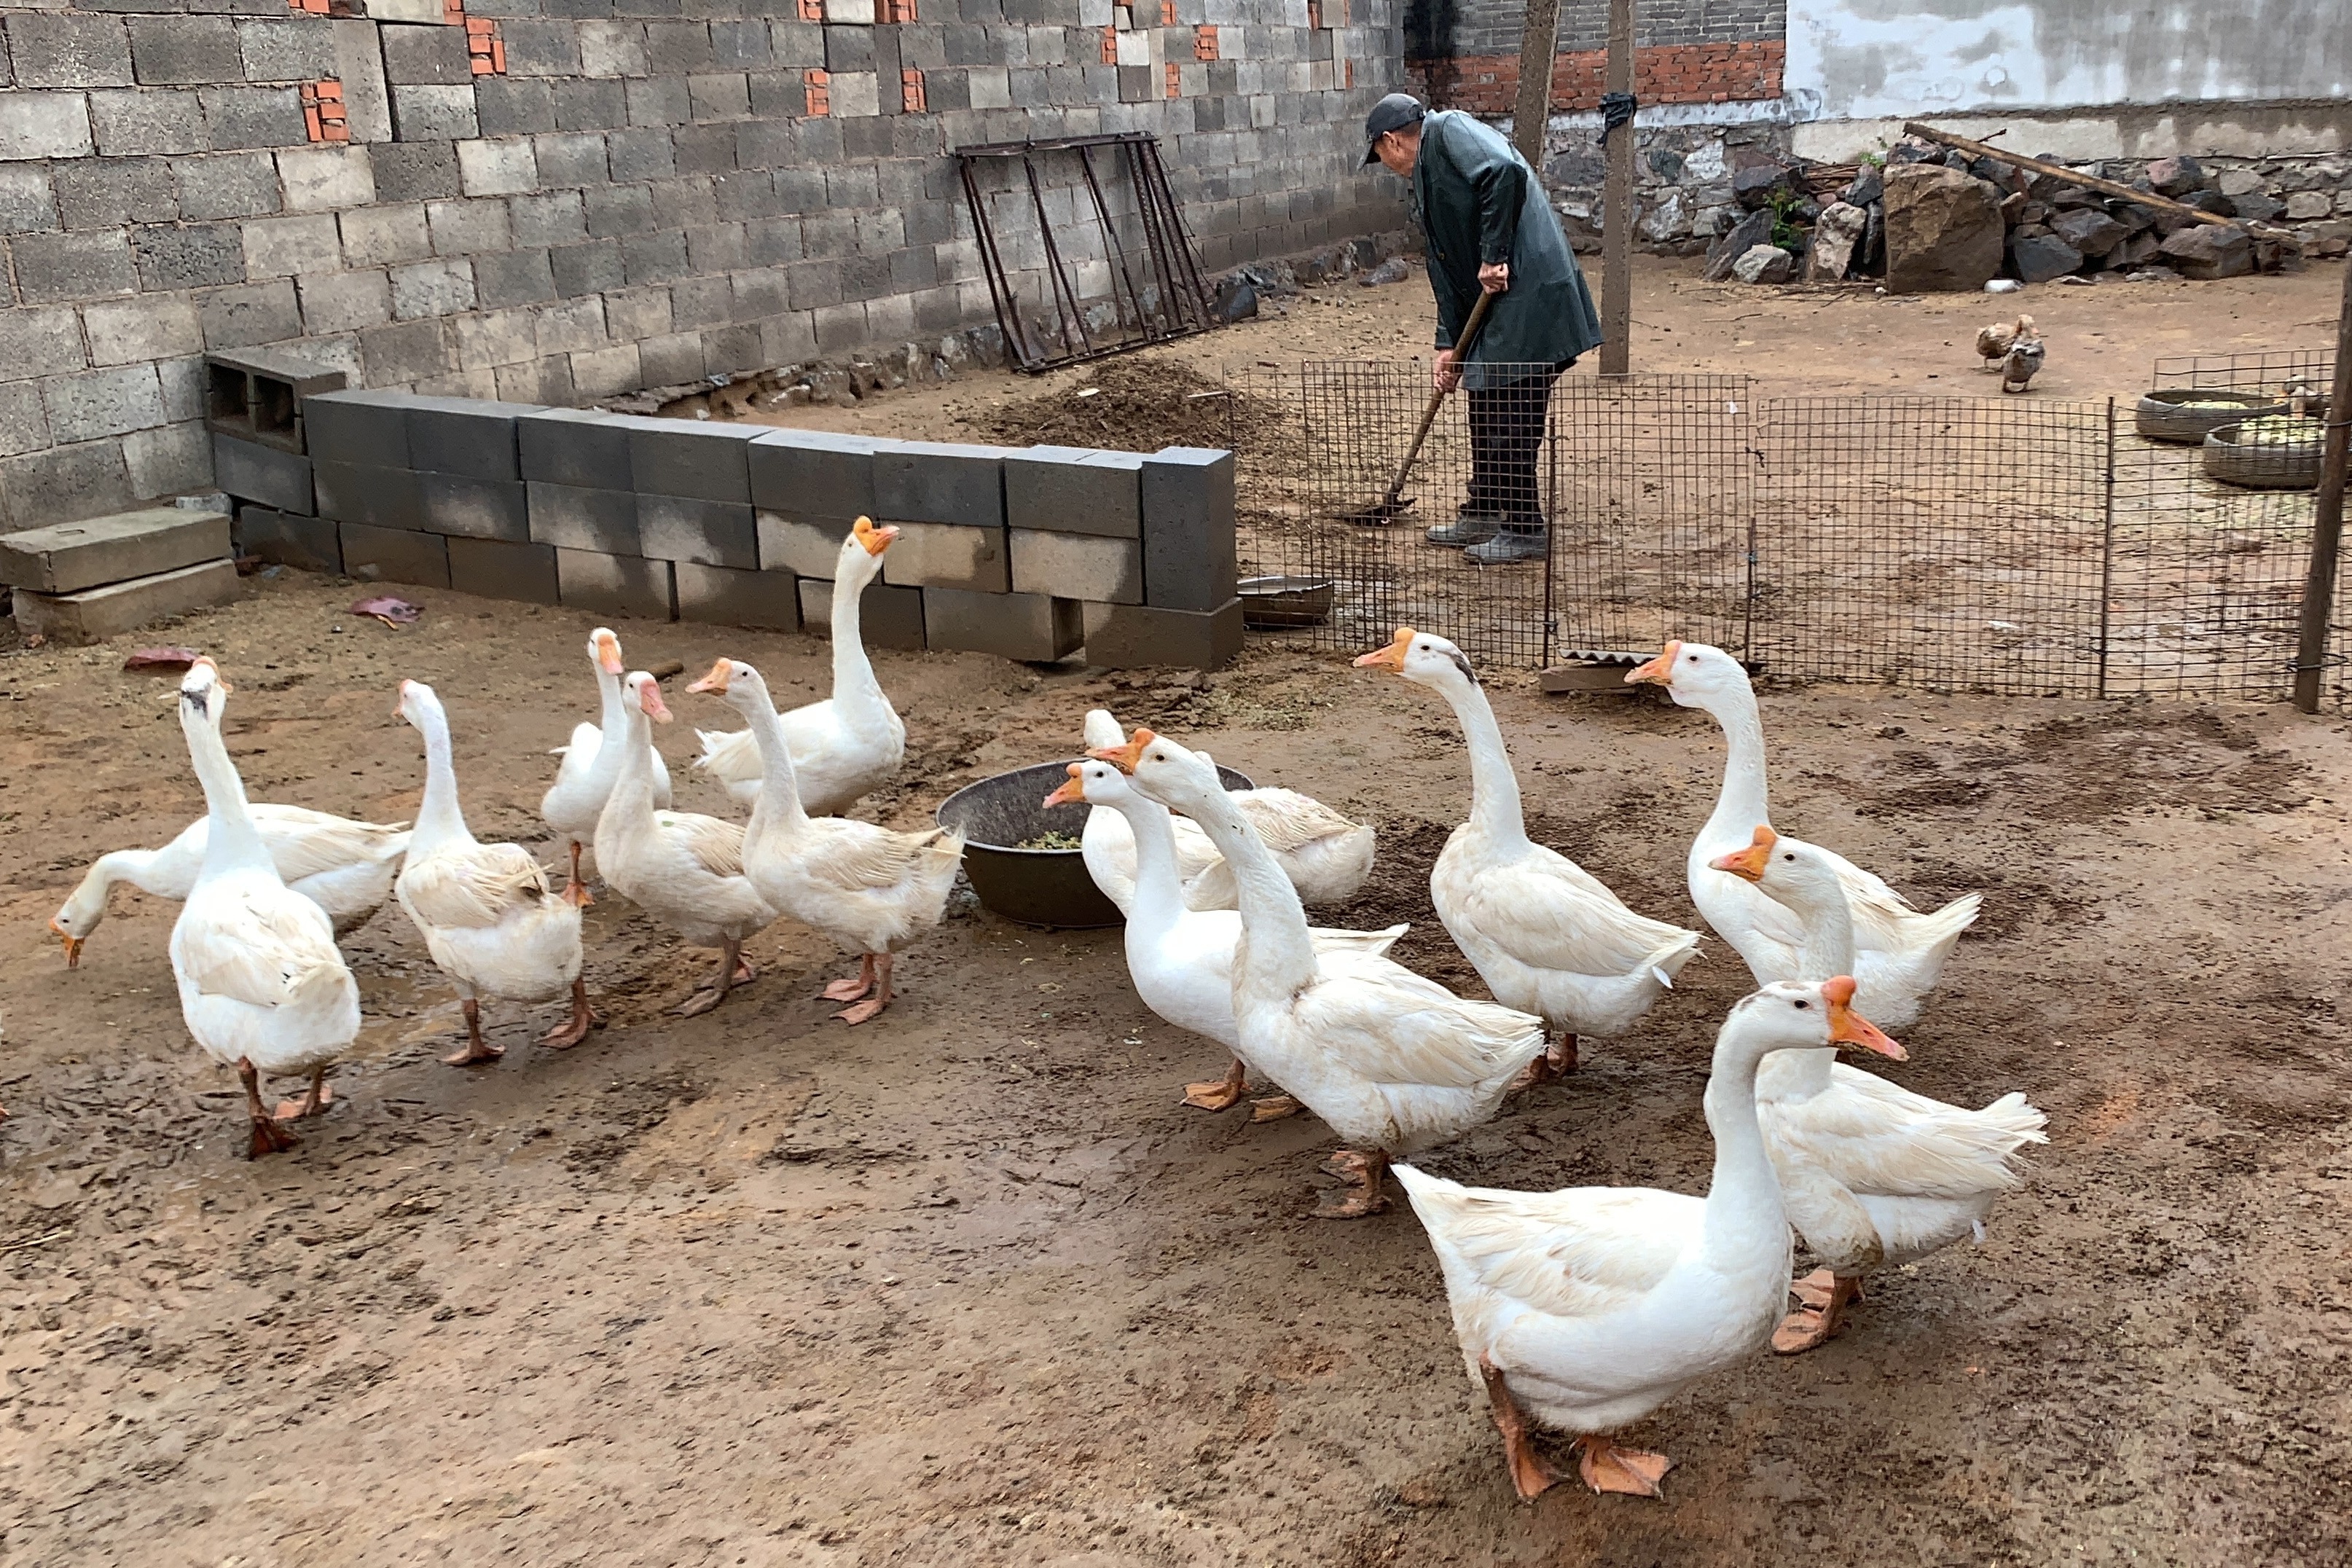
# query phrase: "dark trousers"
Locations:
[[1508, 422]]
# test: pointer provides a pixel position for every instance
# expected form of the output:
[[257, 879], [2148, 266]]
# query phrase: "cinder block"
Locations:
[[364, 493], [500, 569], [93, 614], [701, 461], [815, 475], [395, 556], [583, 448], [949, 555], [251, 472], [886, 616], [938, 481], [67, 557], [468, 436], [1133, 636], [573, 517], [768, 600], [1075, 489], [1077, 566], [475, 508], [616, 584], [790, 544], [1187, 528], [1032, 626], [706, 532], [281, 539], [356, 426]]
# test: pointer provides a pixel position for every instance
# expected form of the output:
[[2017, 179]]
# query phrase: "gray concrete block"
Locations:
[[361, 492], [936, 482], [251, 472], [415, 172], [100, 193], [474, 436], [82, 479], [67, 557], [1134, 636], [359, 427], [139, 121], [1034, 627], [721, 596], [306, 543], [582, 447], [575, 517], [886, 616], [434, 113], [793, 544], [238, 117], [194, 256], [100, 402], [1077, 566], [502, 569], [65, 48], [228, 184], [616, 584], [41, 341], [949, 555], [1187, 528], [706, 532], [288, 48], [27, 200], [414, 55], [241, 317], [53, 266], [148, 327], [376, 554], [1073, 490], [404, 351], [815, 475], [184, 51], [476, 509], [94, 615], [46, 126], [705, 461]]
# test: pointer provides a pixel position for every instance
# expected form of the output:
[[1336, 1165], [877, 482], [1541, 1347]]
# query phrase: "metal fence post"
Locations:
[[2326, 519], [2107, 549]]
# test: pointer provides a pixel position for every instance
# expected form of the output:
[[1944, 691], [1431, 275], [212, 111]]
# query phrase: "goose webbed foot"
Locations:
[[734, 970], [881, 963], [575, 1030], [478, 1049], [1557, 1061], [1606, 1468], [1362, 1175], [315, 1103], [850, 988], [1219, 1094], [1530, 1476], [1273, 1108], [268, 1137], [1823, 1296]]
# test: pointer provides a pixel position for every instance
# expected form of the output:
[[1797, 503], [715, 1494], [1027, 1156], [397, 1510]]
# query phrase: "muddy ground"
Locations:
[[969, 1285]]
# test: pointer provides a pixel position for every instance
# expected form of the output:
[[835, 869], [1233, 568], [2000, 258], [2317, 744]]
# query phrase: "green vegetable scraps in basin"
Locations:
[[1053, 840], [2279, 430]]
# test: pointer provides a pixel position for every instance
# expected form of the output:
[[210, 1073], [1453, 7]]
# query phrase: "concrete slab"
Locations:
[[817, 476], [948, 555], [281, 539], [251, 472], [477, 509], [624, 586], [809, 549], [886, 616], [584, 447], [722, 596], [1030, 626], [1134, 636], [572, 518], [700, 461], [361, 492], [502, 569], [1187, 528], [395, 556], [939, 481], [706, 532], [66, 557], [468, 436], [94, 615], [1076, 566], [1075, 489]]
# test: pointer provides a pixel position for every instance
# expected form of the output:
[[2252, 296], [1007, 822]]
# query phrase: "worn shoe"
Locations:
[[1509, 547], [1470, 528]]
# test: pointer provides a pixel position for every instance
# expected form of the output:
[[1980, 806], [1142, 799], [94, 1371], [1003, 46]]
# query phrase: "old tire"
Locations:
[[2264, 467], [2160, 415]]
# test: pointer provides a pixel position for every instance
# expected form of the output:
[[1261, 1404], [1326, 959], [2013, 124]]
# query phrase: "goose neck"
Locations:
[[779, 806], [1276, 957], [440, 822], [852, 671], [1743, 802], [1743, 1197], [1495, 803], [1158, 889], [232, 842]]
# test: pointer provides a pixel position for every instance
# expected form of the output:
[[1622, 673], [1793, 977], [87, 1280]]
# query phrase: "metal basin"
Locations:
[[1048, 888], [1275, 603]]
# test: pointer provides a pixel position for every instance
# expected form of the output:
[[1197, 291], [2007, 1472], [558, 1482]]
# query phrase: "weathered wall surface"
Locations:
[[556, 200], [1465, 54]]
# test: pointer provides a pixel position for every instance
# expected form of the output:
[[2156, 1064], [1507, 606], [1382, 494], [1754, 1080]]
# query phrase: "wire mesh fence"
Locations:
[[2029, 546]]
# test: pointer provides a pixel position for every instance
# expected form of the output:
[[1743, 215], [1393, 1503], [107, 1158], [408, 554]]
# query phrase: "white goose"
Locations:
[[1546, 935], [1393, 1062], [1586, 1310], [851, 742], [261, 985], [869, 888], [583, 780], [1888, 932], [488, 916], [683, 868], [1326, 856], [344, 866], [1182, 959], [1874, 1176]]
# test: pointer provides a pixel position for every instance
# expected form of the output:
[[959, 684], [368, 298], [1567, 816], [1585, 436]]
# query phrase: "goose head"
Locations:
[[1694, 675], [641, 693], [861, 552], [1795, 1014], [420, 705], [75, 919], [203, 693], [1092, 784], [605, 651], [1787, 870], [735, 683], [1102, 732], [1422, 658], [1167, 773]]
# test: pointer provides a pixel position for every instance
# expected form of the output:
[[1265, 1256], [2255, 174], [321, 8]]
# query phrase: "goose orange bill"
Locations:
[[1389, 658], [73, 944], [876, 540], [651, 701], [608, 653], [1073, 789], [1124, 758], [1659, 671], [1749, 864], [1848, 1028], [714, 683]]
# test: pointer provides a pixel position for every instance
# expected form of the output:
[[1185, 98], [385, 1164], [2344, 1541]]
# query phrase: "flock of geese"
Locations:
[[1580, 1311]]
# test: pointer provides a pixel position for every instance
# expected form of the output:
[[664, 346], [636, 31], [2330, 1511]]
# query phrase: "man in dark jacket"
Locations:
[[1490, 229]]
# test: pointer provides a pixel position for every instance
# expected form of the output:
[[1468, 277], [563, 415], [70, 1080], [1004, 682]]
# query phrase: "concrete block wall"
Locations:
[[1029, 553], [615, 196]]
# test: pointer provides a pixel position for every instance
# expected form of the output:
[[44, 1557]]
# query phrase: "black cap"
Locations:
[[1394, 113]]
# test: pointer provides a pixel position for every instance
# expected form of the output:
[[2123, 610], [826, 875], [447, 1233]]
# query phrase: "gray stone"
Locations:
[[720, 595], [624, 586], [2088, 230], [252, 117], [413, 55], [2301, 205], [360, 492], [1753, 229], [404, 351], [576, 518], [193, 51], [253, 313], [253, 472], [229, 184], [2206, 251], [140, 120], [948, 555], [94, 615], [104, 193], [2038, 259], [45, 125], [67, 48], [1869, 185], [1187, 528], [2255, 206], [442, 287], [467, 436], [2176, 176], [2236, 183], [1133, 636], [376, 554], [1034, 627], [1835, 235], [503, 569], [704, 461], [1764, 264], [706, 532], [51, 267], [477, 509], [582, 449], [100, 402], [1757, 188], [1077, 566], [1073, 489], [930, 481], [147, 327], [288, 48], [67, 557], [305, 543], [415, 172], [1944, 230], [434, 113], [188, 256], [886, 616], [27, 199], [41, 341]]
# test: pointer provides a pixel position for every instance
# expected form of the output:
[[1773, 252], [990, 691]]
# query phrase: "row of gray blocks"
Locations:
[[1030, 553]]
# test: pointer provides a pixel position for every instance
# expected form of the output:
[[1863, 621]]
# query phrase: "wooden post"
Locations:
[[1617, 206], [2326, 518], [1538, 41]]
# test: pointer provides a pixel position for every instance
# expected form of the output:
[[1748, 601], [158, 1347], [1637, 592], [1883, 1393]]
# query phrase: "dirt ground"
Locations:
[[969, 1285]]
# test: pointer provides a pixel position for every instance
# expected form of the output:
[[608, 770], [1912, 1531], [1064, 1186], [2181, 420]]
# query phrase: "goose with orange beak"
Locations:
[[1546, 936], [1584, 1310], [683, 868], [1888, 932], [1392, 1062], [1873, 1176], [583, 780], [851, 744]]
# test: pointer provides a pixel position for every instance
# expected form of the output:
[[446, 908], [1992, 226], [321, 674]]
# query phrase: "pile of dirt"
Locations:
[[1134, 406]]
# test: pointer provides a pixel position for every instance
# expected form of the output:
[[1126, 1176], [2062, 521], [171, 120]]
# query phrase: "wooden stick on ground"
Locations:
[[2088, 181]]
